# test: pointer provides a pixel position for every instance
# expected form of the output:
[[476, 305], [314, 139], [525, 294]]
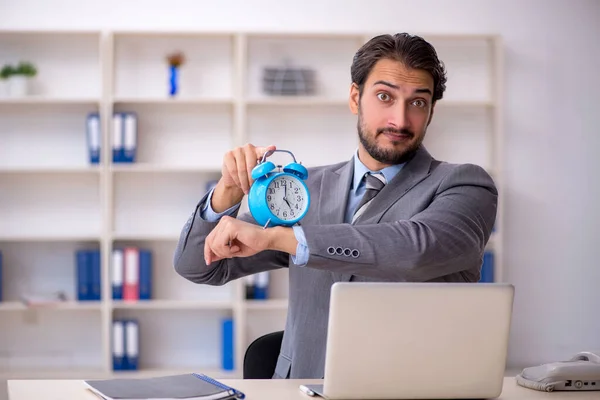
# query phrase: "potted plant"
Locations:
[[20, 78]]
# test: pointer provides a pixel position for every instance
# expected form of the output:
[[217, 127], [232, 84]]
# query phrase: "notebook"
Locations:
[[184, 386]]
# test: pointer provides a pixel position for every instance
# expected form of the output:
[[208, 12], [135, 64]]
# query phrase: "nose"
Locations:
[[398, 117]]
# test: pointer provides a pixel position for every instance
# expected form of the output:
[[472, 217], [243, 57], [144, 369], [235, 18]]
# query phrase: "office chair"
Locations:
[[261, 356]]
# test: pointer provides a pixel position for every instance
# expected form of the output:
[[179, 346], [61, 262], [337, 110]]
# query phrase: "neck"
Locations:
[[369, 161]]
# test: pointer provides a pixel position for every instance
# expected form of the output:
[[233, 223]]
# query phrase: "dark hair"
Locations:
[[413, 51]]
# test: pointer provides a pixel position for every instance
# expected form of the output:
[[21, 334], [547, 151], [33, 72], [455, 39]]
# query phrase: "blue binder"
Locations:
[[145, 275], [129, 137], [227, 348], [95, 277], [117, 137], [83, 275], [94, 137], [118, 345], [132, 344], [117, 274], [487, 268], [261, 286]]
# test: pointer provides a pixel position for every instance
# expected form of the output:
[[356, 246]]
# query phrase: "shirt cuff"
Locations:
[[208, 214], [302, 252]]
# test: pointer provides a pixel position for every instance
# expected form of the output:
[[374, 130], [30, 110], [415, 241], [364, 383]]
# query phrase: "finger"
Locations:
[[251, 161], [242, 172], [208, 256], [260, 151], [221, 243], [234, 249], [231, 168]]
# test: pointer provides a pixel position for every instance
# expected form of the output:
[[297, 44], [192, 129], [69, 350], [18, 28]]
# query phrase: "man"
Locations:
[[422, 219]]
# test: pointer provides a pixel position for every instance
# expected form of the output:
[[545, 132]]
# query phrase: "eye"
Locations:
[[383, 96], [419, 103]]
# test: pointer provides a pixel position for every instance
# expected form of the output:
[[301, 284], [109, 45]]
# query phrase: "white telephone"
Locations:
[[581, 372]]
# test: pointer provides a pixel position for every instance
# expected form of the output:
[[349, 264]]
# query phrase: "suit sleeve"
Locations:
[[448, 236], [189, 261]]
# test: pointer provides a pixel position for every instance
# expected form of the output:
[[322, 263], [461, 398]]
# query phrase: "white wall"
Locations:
[[552, 84]]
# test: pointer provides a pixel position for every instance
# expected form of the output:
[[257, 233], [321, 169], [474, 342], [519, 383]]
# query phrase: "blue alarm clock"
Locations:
[[276, 197]]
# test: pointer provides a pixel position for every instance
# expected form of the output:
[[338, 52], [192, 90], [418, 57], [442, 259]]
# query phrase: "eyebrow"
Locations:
[[389, 84]]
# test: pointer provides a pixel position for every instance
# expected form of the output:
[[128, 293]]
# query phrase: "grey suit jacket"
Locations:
[[431, 223]]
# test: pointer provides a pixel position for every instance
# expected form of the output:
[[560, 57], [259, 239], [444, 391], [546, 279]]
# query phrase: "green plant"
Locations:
[[26, 68], [7, 71]]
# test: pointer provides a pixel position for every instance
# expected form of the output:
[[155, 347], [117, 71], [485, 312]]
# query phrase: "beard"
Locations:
[[387, 156]]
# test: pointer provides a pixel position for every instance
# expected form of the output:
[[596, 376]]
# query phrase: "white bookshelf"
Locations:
[[53, 202]]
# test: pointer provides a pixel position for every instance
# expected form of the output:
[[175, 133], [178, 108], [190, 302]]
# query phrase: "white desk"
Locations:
[[254, 390]]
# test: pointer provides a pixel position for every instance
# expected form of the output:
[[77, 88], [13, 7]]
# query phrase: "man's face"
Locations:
[[393, 113]]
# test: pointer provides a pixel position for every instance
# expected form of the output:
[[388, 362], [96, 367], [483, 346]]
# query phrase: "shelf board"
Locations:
[[65, 306], [274, 304], [157, 168], [163, 101], [297, 101], [42, 100], [50, 170], [172, 305], [49, 238]]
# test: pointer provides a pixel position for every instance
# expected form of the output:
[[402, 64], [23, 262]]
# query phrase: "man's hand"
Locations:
[[234, 238], [236, 175]]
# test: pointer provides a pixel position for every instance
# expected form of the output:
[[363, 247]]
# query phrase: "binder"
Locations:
[[83, 280], [261, 287], [184, 386], [249, 281], [132, 347], [118, 345], [129, 137], [117, 274], [94, 137], [145, 274], [95, 278], [117, 138], [227, 344], [131, 282], [487, 268]]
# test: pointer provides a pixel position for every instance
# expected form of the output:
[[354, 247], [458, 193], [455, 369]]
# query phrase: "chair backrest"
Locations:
[[261, 356]]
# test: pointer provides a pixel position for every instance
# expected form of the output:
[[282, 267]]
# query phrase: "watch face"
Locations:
[[286, 197]]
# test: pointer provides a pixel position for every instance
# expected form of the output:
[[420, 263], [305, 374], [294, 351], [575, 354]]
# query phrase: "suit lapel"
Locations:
[[417, 169], [333, 194]]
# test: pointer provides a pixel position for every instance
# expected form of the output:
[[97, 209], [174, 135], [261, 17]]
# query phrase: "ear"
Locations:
[[354, 99]]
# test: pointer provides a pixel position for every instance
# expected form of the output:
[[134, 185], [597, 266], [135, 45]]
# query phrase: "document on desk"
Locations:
[[184, 386]]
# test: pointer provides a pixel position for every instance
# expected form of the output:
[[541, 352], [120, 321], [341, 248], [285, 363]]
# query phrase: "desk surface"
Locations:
[[254, 389]]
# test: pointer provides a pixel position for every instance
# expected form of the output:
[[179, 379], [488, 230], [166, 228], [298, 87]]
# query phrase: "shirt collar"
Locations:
[[360, 169]]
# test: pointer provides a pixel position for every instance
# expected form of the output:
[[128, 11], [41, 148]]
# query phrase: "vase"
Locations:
[[173, 80], [18, 86], [3, 87]]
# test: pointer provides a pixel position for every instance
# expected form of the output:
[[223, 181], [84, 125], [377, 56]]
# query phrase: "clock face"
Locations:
[[286, 197]]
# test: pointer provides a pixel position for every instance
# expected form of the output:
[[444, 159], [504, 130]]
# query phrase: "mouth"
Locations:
[[397, 137]]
